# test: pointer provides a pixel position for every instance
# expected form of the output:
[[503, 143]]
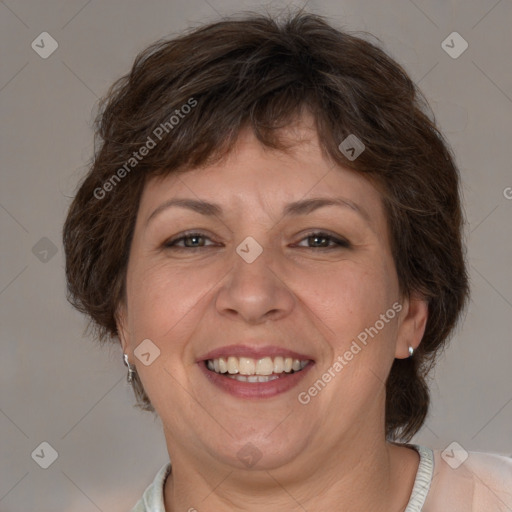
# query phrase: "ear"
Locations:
[[413, 321], [122, 329]]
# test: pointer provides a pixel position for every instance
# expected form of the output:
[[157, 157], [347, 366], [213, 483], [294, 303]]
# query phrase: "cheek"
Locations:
[[349, 296], [160, 297]]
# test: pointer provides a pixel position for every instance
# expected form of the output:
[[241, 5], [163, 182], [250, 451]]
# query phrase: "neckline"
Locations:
[[423, 478]]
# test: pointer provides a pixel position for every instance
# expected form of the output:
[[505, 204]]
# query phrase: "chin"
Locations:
[[254, 451]]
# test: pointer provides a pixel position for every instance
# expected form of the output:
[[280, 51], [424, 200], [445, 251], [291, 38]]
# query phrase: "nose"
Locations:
[[254, 292]]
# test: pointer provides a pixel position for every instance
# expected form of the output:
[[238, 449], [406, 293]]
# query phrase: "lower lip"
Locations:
[[255, 389]]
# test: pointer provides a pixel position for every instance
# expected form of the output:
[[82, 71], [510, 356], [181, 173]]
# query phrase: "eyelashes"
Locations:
[[320, 235], [189, 236], [315, 237]]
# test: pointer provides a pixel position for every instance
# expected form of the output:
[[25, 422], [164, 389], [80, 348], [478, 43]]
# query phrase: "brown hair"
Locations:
[[260, 72]]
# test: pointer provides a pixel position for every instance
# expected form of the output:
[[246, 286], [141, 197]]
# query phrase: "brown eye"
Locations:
[[320, 240], [190, 241]]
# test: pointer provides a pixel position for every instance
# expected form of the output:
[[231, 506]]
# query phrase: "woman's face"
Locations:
[[265, 275]]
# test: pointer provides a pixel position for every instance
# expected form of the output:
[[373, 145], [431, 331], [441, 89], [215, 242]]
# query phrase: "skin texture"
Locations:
[[330, 454]]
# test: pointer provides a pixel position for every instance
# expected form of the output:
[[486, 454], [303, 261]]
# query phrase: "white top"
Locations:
[[480, 483]]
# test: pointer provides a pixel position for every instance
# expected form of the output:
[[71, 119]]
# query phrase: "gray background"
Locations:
[[58, 386]]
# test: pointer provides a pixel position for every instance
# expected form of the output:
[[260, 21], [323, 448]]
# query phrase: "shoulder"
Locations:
[[470, 481], [153, 498]]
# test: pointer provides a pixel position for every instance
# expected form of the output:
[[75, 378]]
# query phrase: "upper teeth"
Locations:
[[249, 366]]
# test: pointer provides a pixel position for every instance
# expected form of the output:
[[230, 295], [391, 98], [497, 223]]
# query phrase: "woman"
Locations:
[[272, 230]]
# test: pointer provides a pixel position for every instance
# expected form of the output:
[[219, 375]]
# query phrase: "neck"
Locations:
[[356, 476]]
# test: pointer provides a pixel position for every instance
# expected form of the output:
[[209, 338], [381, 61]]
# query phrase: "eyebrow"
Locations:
[[302, 207]]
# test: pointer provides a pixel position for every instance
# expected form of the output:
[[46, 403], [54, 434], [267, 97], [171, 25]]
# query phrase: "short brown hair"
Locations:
[[260, 72]]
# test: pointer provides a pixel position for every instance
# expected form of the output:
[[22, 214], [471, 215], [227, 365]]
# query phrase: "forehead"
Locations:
[[254, 178]]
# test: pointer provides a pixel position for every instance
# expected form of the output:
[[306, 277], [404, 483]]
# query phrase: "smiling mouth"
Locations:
[[247, 369]]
